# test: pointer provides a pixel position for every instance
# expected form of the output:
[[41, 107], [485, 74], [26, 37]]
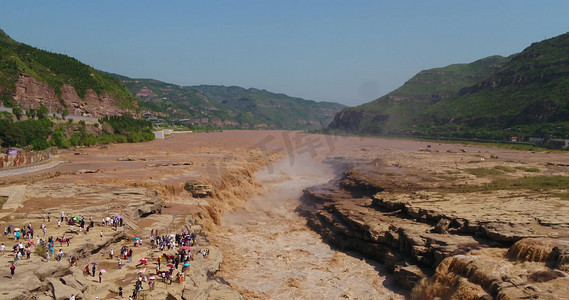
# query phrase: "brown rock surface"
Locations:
[[382, 206], [31, 92], [416, 209], [137, 193]]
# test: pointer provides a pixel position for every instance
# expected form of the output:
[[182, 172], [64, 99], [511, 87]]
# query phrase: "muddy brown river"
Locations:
[[270, 253]]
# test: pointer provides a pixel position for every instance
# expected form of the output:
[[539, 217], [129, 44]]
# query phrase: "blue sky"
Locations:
[[349, 52]]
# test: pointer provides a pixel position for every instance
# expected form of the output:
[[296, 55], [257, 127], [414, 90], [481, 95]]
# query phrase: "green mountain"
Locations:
[[171, 101], [524, 95], [395, 112], [253, 105], [30, 77], [228, 107], [529, 96]]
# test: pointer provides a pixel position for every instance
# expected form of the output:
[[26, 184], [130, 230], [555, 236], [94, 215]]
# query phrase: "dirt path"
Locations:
[[15, 196]]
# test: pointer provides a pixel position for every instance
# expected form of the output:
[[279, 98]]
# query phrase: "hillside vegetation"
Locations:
[[38, 132], [279, 110], [529, 96], [207, 106], [55, 70], [526, 94]]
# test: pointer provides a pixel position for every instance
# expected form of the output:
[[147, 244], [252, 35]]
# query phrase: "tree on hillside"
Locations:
[[31, 113], [42, 112], [17, 111], [10, 135]]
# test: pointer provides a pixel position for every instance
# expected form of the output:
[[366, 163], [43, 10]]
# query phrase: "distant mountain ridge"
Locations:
[[394, 112], [280, 109], [209, 106], [30, 77], [526, 94]]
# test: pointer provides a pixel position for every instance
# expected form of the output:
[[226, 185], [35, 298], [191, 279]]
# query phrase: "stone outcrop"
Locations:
[[30, 93], [62, 291], [205, 285], [460, 242], [198, 189]]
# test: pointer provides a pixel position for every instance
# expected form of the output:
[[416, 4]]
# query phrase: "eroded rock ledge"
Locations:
[[436, 250]]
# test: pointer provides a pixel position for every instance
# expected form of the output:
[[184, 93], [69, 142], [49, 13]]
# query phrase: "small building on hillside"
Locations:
[[159, 135], [162, 134]]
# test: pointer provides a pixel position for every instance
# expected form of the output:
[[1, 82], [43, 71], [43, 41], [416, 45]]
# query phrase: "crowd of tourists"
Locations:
[[172, 263], [170, 266], [27, 238]]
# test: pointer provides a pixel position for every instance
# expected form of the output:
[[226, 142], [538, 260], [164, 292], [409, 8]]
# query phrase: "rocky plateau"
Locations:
[[444, 223]]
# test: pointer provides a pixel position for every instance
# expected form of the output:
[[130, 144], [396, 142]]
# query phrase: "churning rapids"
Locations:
[[269, 252]]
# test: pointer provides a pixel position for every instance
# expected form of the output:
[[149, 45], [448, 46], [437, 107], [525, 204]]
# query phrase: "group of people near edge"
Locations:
[[169, 267], [29, 241]]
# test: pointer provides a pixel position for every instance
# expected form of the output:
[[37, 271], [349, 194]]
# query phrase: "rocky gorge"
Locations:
[[452, 222], [378, 218]]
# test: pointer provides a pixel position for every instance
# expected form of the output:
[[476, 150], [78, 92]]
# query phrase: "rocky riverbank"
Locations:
[[444, 230], [163, 187], [446, 220]]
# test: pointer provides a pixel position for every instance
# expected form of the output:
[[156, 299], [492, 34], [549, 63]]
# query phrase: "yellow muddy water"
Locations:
[[270, 253]]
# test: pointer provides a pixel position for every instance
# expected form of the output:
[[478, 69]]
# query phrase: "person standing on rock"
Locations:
[[100, 276], [12, 270], [2, 249], [94, 268], [60, 255], [87, 270], [111, 253], [119, 261]]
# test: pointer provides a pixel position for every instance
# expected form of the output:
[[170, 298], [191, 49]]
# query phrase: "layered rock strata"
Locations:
[[445, 244]]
